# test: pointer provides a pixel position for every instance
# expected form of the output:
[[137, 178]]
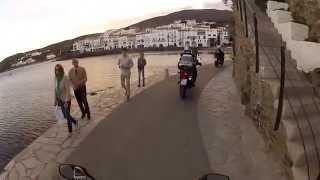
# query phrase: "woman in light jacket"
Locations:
[[62, 94]]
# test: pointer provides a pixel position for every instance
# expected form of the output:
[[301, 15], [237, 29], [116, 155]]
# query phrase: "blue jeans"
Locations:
[[67, 115]]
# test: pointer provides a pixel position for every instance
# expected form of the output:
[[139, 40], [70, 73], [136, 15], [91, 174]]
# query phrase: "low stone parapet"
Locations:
[[40, 160], [306, 54], [294, 34], [293, 31], [274, 5], [280, 16]]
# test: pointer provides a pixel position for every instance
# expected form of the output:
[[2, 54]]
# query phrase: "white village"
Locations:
[[178, 34]]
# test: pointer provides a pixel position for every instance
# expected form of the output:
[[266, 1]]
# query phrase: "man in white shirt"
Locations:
[[125, 64]]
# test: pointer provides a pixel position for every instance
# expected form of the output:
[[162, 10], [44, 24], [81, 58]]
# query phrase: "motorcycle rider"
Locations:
[[219, 54], [194, 53]]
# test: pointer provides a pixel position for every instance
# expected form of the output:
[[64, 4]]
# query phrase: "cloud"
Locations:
[[216, 5], [31, 24]]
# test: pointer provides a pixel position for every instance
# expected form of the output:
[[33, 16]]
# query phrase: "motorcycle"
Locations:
[[219, 55], [218, 63], [75, 172], [187, 73], [186, 82]]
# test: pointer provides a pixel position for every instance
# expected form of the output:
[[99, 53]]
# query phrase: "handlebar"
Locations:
[[75, 172]]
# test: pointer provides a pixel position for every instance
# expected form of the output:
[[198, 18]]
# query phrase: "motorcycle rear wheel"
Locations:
[[183, 92], [216, 63]]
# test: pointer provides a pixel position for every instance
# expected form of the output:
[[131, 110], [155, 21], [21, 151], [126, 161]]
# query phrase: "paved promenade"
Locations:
[[159, 136], [233, 143], [154, 136]]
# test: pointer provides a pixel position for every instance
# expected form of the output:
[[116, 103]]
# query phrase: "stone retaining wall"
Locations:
[[307, 12], [259, 96]]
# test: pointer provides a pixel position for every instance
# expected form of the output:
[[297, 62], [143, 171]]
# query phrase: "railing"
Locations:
[[281, 94], [248, 15], [256, 38]]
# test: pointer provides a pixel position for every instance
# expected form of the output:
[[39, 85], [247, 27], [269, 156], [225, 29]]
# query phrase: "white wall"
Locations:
[[305, 53], [176, 34]]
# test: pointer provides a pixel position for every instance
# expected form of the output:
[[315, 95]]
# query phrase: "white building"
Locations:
[[30, 60], [122, 38], [177, 34], [89, 45], [224, 35], [131, 41], [21, 63], [140, 40], [128, 41], [35, 54], [50, 56]]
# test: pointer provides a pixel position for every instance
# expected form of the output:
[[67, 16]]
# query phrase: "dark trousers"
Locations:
[[67, 115], [195, 74], [141, 74], [81, 96]]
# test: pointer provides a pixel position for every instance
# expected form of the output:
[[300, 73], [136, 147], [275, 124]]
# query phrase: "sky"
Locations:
[[31, 24]]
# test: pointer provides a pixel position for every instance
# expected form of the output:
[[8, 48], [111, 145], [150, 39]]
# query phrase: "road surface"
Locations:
[[153, 137]]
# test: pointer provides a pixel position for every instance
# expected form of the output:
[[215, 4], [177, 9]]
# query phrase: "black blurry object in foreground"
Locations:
[[74, 172], [214, 177]]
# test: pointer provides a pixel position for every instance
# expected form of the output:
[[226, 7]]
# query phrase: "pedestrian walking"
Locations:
[[63, 95], [78, 78], [125, 64], [141, 64]]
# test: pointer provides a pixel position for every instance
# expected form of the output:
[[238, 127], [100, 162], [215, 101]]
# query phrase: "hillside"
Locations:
[[62, 48], [219, 16], [57, 48]]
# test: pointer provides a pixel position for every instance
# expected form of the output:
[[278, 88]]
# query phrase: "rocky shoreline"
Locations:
[[41, 158]]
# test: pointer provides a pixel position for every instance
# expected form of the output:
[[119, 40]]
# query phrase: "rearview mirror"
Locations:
[[73, 172], [215, 177]]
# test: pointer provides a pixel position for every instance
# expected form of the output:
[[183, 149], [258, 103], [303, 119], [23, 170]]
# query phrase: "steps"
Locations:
[[301, 110]]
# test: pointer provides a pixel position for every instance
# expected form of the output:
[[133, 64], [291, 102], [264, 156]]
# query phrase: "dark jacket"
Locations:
[[219, 54], [141, 63]]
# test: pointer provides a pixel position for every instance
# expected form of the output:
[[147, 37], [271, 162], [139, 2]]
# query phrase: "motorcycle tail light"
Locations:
[[183, 74]]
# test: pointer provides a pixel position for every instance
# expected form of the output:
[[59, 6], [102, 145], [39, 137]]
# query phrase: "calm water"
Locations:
[[26, 96]]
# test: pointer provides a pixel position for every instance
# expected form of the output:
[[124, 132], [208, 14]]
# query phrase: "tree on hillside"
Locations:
[[227, 2]]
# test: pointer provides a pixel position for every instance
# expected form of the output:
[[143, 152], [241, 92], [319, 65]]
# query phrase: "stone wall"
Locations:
[[259, 98], [263, 3], [243, 59], [307, 12], [304, 12]]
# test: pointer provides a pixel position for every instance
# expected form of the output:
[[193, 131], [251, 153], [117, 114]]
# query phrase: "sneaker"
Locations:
[[139, 85]]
